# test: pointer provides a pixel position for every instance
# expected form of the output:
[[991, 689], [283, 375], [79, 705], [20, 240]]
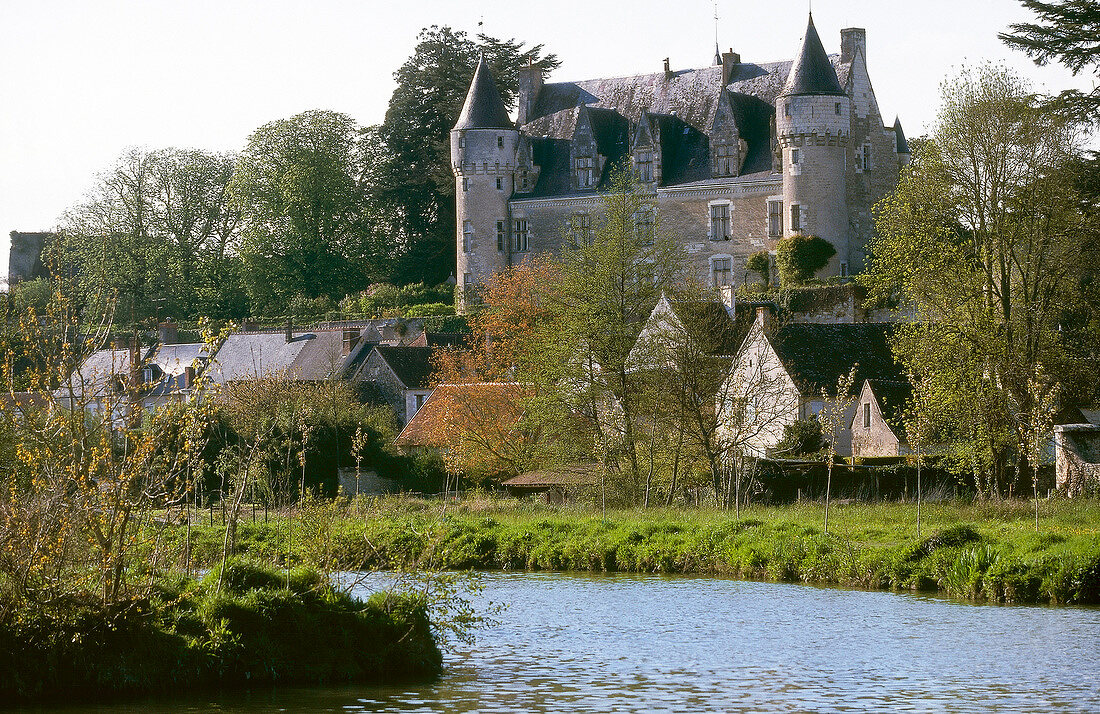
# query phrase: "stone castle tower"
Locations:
[[733, 157]]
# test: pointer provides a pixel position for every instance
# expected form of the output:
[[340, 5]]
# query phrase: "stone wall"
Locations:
[[1077, 458]]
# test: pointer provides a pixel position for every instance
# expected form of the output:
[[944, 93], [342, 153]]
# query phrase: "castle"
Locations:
[[734, 157]]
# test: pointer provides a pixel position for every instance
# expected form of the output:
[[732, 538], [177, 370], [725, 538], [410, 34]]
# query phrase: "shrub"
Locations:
[[800, 256], [761, 264], [800, 438]]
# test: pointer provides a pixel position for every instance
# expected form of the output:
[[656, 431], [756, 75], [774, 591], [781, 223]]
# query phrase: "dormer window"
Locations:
[[643, 165], [585, 171], [725, 156]]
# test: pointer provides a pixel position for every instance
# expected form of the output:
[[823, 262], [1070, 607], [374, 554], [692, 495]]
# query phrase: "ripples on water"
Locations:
[[622, 643]]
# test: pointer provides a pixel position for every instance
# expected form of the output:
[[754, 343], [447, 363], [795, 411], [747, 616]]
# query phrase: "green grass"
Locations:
[[981, 551], [188, 635]]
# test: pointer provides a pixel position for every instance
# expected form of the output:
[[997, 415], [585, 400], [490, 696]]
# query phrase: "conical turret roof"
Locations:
[[812, 73], [903, 145], [484, 108]]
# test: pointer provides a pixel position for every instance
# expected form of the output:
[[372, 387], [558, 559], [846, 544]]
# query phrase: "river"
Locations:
[[628, 643]]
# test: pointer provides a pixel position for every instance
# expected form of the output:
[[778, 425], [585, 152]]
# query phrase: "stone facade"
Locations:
[[1077, 458], [731, 158], [872, 435]]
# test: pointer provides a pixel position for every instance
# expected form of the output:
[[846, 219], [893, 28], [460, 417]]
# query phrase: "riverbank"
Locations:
[[263, 628], [984, 551]]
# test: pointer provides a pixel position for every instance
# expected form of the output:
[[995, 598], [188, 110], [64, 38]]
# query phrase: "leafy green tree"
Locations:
[[1067, 31], [305, 230], [800, 256], [800, 438], [984, 241], [419, 186]]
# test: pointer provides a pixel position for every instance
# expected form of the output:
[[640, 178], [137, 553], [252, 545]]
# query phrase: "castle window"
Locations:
[[643, 165], [787, 109], [465, 184], [726, 160], [467, 235], [500, 184], [843, 268], [866, 416], [720, 221], [643, 226], [796, 162], [500, 142], [775, 219], [521, 243], [524, 181], [837, 105], [585, 172], [462, 141], [580, 229], [866, 157], [500, 236], [721, 270], [467, 279], [796, 217]]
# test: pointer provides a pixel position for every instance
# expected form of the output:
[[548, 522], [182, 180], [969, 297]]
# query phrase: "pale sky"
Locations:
[[81, 80]]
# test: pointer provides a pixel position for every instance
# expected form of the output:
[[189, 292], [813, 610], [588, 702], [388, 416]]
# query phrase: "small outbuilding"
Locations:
[[558, 484]]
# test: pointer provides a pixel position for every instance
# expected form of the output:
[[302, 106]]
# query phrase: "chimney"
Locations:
[[135, 363], [765, 317], [168, 332], [852, 39], [188, 377], [668, 69], [530, 85], [729, 60], [247, 325], [289, 330], [351, 339], [729, 299]]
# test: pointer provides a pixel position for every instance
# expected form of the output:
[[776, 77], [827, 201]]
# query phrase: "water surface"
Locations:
[[629, 643]]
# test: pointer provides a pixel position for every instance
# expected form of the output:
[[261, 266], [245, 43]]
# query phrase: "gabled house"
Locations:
[[706, 327], [402, 375], [787, 373], [878, 425]]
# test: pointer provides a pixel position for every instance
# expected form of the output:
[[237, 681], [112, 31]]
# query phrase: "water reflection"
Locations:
[[692, 644]]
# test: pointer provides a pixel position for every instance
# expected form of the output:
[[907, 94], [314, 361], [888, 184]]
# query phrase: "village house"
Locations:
[[878, 425], [787, 373], [731, 158], [712, 327]]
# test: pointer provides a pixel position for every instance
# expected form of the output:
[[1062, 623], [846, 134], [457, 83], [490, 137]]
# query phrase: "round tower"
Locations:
[[813, 127], [484, 145]]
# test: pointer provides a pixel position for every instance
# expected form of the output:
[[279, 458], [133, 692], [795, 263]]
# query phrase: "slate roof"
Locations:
[[684, 105], [171, 363], [309, 356], [412, 365], [484, 109], [710, 325], [815, 356], [102, 373], [903, 145], [812, 73]]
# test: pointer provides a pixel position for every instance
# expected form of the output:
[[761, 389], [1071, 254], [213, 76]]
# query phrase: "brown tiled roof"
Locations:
[[434, 423], [568, 475]]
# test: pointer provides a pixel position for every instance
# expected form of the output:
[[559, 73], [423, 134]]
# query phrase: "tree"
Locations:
[[1067, 31], [305, 230], [835, 415], [419, 186], [983, 239], [800, 256]]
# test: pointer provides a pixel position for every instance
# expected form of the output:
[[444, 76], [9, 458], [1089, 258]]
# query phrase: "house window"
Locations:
[[796, 217], [468, 279], [643, 226], [775, 219], [843, 268], [500, 184], [467, 235], [500, 142], [418, 401], [521, 243], [644, 165], [585, 172], [721, 271], [813, 409], [866, 416], [726, 160], [500, 236], [465, 184], [720, 221]]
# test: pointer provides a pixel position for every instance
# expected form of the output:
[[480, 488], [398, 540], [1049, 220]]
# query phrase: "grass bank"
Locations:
[[261, 629], [987, 551]]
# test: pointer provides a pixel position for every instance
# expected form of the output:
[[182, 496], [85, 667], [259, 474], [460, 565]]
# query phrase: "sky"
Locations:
[[82, 80]]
